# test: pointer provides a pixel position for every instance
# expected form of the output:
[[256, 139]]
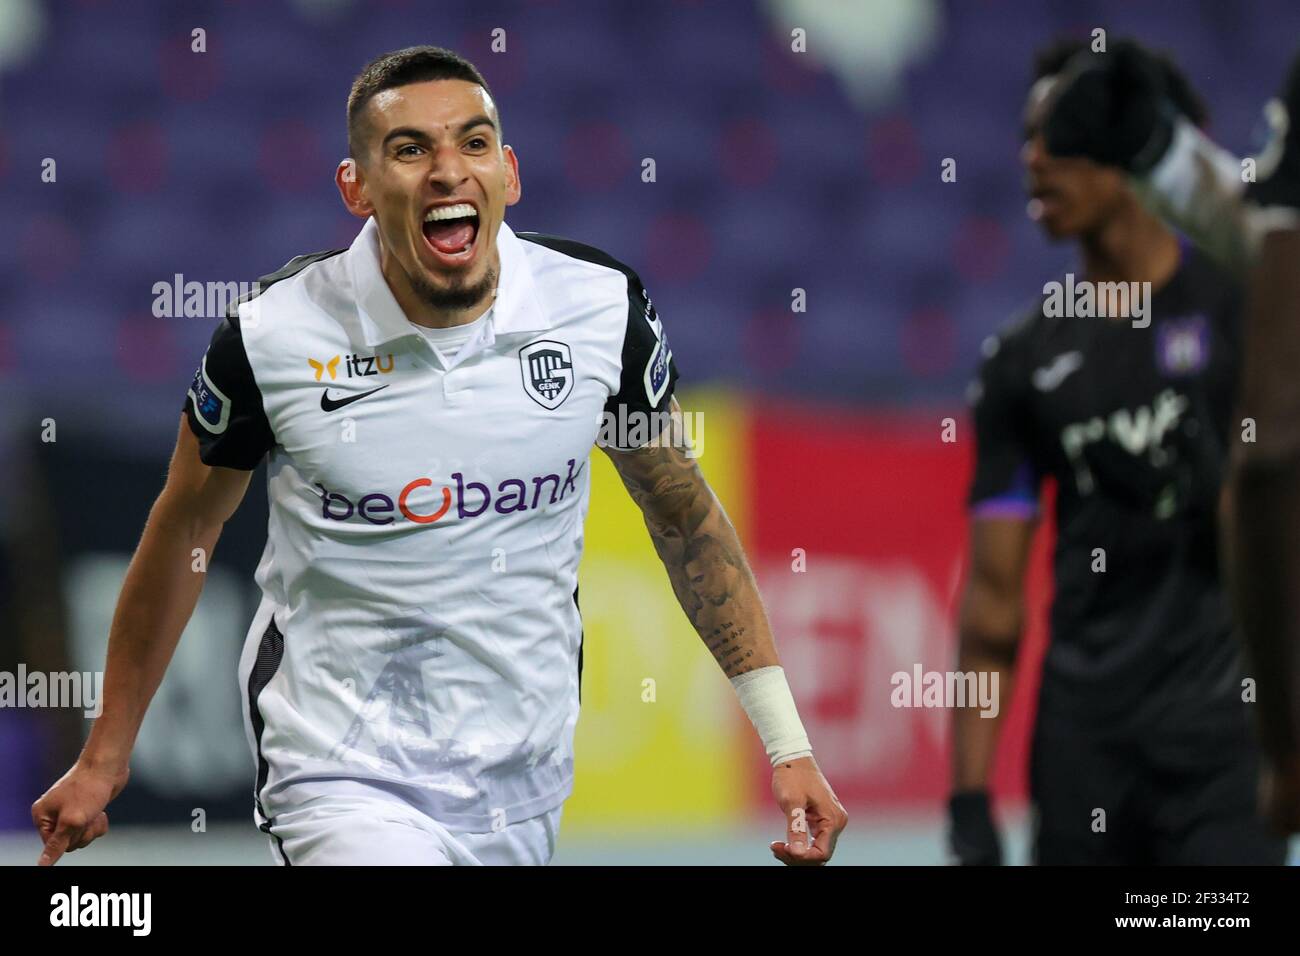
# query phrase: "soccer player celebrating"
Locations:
[[1114, 109], [427, 401], [1142, 751]]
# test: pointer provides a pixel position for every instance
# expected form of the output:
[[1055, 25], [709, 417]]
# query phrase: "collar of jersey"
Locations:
[[517, 307]]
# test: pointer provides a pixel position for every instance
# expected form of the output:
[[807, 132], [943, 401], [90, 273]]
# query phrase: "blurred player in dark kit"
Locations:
[[1246, 214], [1142, 750]]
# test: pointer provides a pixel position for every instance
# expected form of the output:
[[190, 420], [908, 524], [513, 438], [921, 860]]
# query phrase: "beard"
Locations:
[[458, 295]]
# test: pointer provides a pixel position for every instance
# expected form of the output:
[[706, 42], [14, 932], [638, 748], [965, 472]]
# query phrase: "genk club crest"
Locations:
[[548, 372]]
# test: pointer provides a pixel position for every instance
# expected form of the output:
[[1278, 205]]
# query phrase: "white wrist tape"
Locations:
[[766, 699]]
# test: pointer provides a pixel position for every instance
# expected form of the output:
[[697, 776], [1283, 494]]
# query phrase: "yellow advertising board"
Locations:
[[660, 738]]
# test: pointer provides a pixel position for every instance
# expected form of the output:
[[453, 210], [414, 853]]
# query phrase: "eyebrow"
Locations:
[[420, 136]]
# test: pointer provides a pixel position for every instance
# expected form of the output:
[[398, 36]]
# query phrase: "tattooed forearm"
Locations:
[[733, 654], [701, 553]]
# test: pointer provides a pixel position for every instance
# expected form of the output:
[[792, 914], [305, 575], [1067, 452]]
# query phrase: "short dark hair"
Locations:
[[1052, 59], [415, 64]]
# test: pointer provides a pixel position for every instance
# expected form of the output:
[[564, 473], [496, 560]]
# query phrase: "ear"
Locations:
[[514, 189], [351, 180]]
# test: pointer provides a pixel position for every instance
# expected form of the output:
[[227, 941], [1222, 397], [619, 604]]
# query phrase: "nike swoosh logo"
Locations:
[[328, 404], [1048, 377]]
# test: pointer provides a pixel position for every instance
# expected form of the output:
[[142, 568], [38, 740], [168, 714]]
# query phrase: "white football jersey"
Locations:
[[419, 627]]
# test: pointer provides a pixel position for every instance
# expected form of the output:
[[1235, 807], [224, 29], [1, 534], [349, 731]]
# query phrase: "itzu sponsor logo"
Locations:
[[354, 366], [471, 498]]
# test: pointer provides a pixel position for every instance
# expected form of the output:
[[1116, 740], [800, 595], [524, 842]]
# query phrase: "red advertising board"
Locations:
[[857, 530]]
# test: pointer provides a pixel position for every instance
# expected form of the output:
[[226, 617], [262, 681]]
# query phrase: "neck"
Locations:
[[419, 309], [1132, 246]]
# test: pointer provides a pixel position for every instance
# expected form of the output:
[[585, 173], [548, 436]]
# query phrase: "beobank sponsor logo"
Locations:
[[471, 498]]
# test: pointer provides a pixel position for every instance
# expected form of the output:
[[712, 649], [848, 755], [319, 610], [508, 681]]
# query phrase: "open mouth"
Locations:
[[451, 231], [1043, 200]]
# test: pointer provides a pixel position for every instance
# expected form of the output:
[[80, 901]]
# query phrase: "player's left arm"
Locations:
[[713, 582]]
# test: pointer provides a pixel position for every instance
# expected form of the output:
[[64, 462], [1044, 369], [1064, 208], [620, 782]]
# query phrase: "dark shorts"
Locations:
[[1129, 803]]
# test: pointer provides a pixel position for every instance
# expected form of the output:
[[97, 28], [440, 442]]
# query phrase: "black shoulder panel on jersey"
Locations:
[[224, 405], [579, 250], [649, 372], [286, 271]]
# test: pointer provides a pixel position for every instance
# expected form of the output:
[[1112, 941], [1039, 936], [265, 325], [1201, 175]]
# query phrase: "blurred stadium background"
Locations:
[[776, 171]]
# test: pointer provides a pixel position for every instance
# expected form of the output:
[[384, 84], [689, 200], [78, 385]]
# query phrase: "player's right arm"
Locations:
[[224, 433], [1004, 509], [990, 623], [157, 598], [156, 601]]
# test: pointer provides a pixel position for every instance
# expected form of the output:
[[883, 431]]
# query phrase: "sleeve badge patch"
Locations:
[[211, 406]]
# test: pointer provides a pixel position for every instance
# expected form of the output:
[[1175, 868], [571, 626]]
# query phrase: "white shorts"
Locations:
[[353, 825]]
